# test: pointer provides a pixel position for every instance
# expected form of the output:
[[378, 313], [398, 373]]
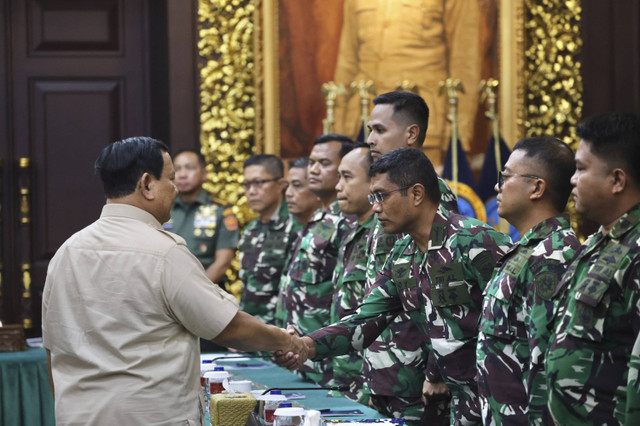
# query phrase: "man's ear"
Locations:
[[412, 133], [145, 185], [419, 194], [539, 188], [619, 181]]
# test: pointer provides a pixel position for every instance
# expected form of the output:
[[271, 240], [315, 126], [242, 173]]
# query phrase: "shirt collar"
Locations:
[[545, 228], [130, 212], [202, 198], [628, 221]]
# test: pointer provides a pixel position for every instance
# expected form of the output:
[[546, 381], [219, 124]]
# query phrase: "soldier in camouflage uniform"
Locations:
[[266, 241], [209, 229], [301, 202], [307, 287], [592, 361], [395, 363], [350, 273], [436, 273], [532, 192]]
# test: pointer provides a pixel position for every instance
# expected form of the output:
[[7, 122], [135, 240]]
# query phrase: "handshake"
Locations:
[[298, 350]]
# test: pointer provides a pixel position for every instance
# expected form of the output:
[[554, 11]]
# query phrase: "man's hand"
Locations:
[[434, 392], [299, 350]]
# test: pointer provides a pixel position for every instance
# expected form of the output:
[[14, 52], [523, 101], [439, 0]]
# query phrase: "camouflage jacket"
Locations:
[[441, 290], [395, 363], [516, 313], [263, 249], [592, 361], [306, 288], [350, 280]]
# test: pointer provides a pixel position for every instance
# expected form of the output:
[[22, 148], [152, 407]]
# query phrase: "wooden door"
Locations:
[[74, 78]]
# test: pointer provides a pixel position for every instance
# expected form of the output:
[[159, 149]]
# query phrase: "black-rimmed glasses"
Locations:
[[503, 174], [257, 183], [378, 197]]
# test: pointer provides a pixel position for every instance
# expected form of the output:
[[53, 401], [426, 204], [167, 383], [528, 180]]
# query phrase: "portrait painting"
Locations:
[[393, 44]]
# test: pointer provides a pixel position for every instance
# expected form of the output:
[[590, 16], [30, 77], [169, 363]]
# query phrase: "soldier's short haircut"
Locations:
[[557, 162], [271, 163], [201, 159], [614, 138], [407, 107], [407, 166], [368, 159], [121, 164], [302, 162], [346, 143]]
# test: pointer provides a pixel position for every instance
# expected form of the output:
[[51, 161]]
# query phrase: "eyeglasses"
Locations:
[[257, 183], [502, 175], [378, 197]]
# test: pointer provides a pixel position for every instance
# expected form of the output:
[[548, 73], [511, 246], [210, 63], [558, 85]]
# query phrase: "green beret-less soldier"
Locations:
[[394, 365], [592, 361], [437, 273], [209, 229], [266, 241], [306, 288], [518, 305], [350, 273]]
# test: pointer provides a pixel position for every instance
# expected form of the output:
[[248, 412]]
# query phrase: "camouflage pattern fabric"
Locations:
[[350, 280], [307, 288], [395, 363], [448, 199], [263, 249], [409, 409], [514, 328], [442, 291], [592, 361]]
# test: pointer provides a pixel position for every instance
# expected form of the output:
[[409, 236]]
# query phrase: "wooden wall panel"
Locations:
[[611, 56]]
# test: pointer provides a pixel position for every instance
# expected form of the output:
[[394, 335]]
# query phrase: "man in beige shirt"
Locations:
[[124, 303]]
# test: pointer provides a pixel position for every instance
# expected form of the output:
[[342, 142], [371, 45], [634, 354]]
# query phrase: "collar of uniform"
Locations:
[[437, 237], [280, 215], [333, 208], [130, 212], [358, 229], [544, 228], [628, 221], [202, 198]]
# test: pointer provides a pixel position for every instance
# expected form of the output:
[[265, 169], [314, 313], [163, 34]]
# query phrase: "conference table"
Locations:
[[25, 393], [264, 374], [26, 399]]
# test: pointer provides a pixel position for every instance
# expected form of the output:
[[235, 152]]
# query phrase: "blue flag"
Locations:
[[469, 204], [465, 175], [490, 168], [488, 180]]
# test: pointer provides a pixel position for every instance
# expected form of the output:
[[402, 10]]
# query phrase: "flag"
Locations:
[[488, 180], [469, 204]]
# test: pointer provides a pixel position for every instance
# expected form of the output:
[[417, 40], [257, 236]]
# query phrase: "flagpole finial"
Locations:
[[450, 88], [330, 92], [365, 90]]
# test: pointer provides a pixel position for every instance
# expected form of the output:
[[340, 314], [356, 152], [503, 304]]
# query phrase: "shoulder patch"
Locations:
[[484, 263], [231, 223]]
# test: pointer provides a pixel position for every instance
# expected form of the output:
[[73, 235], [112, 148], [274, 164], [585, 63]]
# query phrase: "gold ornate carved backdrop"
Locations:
[[228, 106], [541, 84]]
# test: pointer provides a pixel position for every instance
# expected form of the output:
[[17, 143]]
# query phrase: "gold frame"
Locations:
[[511, 92]]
